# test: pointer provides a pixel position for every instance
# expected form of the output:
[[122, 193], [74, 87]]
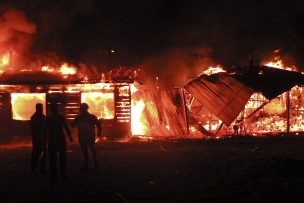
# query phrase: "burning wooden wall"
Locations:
[[110, 102]]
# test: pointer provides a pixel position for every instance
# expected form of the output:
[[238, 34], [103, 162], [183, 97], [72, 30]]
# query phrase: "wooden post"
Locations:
[[288, 112], [186, 111], [219, 129]]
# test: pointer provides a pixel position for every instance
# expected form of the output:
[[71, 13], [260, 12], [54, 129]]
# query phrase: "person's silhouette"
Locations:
[[38, 140], [54, 127], [86, 123]]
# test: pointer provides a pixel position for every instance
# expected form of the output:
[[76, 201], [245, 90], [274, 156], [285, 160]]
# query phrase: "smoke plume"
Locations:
[[177, 66], [16, 33]]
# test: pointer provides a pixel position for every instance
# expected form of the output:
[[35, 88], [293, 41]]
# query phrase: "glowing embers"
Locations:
[[100, 104], [24, 104]]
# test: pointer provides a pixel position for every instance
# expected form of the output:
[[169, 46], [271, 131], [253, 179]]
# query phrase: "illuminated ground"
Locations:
[[234, 170]]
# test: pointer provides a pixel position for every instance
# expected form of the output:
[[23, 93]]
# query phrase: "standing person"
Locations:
[[86, 123], [38, 141], [54, 127]]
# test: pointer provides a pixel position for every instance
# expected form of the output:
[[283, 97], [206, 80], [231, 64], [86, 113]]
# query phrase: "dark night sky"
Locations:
[[85, 30]]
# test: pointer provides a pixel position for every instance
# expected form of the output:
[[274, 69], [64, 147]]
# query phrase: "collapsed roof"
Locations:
[[271, 82], [226, 94]]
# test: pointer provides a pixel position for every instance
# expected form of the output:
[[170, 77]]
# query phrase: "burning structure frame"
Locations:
[[110, 102]]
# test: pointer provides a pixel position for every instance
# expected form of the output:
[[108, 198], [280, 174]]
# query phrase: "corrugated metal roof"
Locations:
[[221, 94], [225, 95]]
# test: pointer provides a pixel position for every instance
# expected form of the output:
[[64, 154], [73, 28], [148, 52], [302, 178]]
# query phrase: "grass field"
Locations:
[[244, 169]]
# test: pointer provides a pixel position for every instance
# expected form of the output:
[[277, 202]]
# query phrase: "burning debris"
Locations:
[[267, 110], [217, 102], [133, 108]]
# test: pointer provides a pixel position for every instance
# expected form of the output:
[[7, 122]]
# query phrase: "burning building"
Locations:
[[215, 101], [125, 107], [248, 100], [250, 97], [109, 101]]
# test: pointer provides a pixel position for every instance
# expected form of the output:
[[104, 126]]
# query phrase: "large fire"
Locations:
[[126, 103], [64, 69], [100, 104], [145, 113], [138, 123], [23, 104], [150, 112], [144, 109], [272, 118]]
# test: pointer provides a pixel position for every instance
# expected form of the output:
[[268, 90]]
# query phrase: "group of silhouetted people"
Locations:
[[48, 138]]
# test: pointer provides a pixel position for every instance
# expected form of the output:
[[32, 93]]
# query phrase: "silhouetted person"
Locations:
[[86, 123], [39, 145], [54, 127]]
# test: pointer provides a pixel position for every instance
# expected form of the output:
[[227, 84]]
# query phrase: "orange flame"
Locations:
[[100, 104], [23, 104], [138, 126], [138, 123], [277, 62], [272, 117], [47, 69], [4, 61], [272, 121], [65, 69], [213, 70], [276, 106]]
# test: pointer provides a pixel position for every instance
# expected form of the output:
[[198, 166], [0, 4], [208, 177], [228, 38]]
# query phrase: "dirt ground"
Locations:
[[245, 169]]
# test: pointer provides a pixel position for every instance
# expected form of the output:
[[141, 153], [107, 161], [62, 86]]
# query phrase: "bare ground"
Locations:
[[243, 169]]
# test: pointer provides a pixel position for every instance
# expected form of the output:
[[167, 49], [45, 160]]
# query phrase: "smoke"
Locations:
[[14, 21], [16, 33], [177, 66], [85, 32]]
